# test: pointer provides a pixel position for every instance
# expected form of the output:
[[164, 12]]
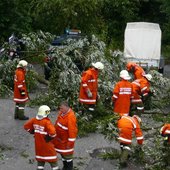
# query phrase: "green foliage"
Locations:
[[43, 99], [7, 70], [105, 18], [111, 155], [160, 118], [56, 15], [5, 91], [116, 14], [31, 80], [36, 46], [85, 125], [107, 125], [14, 17], [24, 154], [161, 86], [70, 60], [157, 158]]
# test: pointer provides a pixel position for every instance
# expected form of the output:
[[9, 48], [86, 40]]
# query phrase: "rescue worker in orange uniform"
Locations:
[[44, 131], [127, 125], [141, 90], [66, 129], [20, 90], [134, 68], [89, 86], [165, 132], [122, 94]]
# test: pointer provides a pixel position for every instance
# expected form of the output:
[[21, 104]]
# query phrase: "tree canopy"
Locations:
[[105, 18]]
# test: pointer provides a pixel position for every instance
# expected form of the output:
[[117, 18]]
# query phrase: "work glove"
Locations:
[[22, 92], [48, 138], [89, 93], [166, 138], [31, 131]]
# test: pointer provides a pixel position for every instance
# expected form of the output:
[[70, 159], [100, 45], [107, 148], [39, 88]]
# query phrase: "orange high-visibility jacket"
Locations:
[[89, 81], [66, 129], [145, 86], [136, 92], [165, 130], [122, 94], [138, 72], [44, 151], [141, 87], [20, 85], [126, 126]]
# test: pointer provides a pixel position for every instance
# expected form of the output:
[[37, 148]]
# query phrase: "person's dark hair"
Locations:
[[65, 103]]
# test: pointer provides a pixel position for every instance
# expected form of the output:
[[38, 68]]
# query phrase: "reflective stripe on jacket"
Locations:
[[141, 87], [126, 126], [122, 94], [44, 151], [89, 81], [145, 86], [20, 85], [66, 129]]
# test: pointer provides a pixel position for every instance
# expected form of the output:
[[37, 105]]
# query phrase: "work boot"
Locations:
[[21, 115], [124, 158], [68, 165], [64, 165], [16, 112], [21, 109]]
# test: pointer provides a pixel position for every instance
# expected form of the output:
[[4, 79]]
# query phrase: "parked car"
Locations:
[[60, 42], [69, 34]]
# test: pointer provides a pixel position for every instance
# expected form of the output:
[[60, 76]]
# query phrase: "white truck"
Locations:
[[142, 44]]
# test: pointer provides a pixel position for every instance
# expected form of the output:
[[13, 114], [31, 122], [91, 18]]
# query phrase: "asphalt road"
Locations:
[[17, 146]]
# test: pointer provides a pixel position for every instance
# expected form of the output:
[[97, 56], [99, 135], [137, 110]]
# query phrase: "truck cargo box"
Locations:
[[142, 43]]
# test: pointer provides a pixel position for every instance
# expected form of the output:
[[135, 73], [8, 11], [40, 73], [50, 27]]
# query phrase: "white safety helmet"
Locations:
[[125, 75], [148, 76], [22, 63], [43, 112], [138, 118], [98, 65]]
